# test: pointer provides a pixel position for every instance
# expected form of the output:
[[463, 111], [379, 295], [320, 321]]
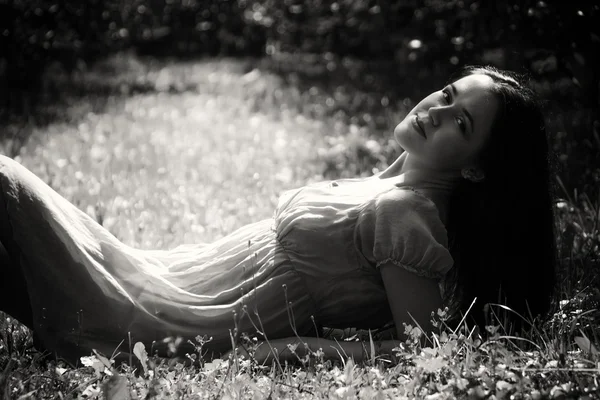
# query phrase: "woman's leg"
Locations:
[[79, 278], [14, 298]]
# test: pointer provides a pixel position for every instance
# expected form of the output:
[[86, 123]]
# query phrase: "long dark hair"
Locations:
[[501, 231]]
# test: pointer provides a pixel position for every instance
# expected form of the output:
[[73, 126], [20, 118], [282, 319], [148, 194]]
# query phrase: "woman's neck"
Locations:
[[435, 185], [395, 168]]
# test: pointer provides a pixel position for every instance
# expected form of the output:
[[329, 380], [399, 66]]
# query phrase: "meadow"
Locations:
[[163, 153]]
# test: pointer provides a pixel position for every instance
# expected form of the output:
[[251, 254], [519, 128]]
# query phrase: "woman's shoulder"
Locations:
[[406, 198], [408, 232], [406, 205]]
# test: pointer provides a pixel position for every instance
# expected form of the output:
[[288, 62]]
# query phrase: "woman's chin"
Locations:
[[400, 134]]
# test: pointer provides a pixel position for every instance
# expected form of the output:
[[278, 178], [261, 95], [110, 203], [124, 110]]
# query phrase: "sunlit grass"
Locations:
[[162, 169], [187, 152]]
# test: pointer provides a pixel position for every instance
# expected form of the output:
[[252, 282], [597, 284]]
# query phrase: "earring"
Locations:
[[472, 175]]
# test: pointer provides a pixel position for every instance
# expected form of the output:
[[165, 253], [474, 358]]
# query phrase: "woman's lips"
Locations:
[[418, 126]]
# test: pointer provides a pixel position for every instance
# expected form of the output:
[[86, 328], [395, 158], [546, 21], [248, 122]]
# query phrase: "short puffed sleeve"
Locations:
[[409, 233]]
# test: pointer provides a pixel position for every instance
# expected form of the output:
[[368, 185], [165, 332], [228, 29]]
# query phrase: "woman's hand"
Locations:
[[291, 349], [263, 352]]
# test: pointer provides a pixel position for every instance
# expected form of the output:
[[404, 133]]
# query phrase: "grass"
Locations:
[[186, 152]]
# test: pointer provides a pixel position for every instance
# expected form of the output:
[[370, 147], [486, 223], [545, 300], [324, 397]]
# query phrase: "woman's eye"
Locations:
[[446, 96], [459, 120], [461, 124]]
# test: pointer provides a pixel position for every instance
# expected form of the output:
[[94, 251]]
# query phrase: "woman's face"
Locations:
[[448, 128]]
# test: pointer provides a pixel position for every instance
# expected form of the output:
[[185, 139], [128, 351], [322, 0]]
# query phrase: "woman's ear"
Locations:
[[473, 174]]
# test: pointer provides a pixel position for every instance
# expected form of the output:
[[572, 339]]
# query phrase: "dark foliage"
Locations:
[[422, 42], [409, 47]]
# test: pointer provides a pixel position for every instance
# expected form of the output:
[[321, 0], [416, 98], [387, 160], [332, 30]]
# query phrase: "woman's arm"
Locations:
[[332, 350], [412, 297]]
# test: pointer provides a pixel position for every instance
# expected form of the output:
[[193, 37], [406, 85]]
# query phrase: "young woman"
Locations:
[[465, 212]]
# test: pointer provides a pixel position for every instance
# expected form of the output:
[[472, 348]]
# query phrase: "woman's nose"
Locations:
[[435, 115]]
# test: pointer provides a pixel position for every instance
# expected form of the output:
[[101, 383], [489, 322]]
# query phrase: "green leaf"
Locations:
[[116, 388], [372, 347], [105, 361], [139, 350], [434, 364], [585, 345]]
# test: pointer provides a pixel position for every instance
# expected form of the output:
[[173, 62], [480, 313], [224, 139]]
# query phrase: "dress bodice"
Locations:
[[336, 232]]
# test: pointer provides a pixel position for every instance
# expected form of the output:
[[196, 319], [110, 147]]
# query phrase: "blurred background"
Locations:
[[356, 66], [362, 55]]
